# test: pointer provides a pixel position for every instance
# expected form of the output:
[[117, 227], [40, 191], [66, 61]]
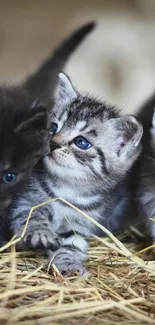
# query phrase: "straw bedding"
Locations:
[[121, 287]]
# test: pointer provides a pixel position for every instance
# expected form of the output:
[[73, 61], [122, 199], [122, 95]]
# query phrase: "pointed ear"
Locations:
[[35, 121], [66, 92], [130, 132]]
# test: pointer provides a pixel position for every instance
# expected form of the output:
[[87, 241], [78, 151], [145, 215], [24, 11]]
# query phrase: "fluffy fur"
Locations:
[[24, 122], [90, 179]]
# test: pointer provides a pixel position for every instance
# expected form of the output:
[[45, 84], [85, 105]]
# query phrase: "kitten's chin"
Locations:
[[51, 158], [52, 164], [51, 161], [64, 172]]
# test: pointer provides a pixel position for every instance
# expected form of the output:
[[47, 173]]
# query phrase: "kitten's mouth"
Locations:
[[53, 159], [51, 156]]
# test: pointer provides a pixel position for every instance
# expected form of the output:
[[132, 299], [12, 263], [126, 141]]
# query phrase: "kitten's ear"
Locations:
[[35, 121], [66, 92], [130, 132]]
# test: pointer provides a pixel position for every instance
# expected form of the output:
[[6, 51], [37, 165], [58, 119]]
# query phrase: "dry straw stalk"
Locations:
[[121, 288]]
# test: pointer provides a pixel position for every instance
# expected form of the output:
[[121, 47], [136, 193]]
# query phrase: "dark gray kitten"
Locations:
[[142, 181], [24, 122], [92, 150]]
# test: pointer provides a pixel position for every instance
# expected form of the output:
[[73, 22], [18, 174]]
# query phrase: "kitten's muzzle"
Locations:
[[54, 145]]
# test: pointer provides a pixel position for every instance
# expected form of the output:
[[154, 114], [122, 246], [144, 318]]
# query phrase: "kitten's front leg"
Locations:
[[69, 257], [39, 234]]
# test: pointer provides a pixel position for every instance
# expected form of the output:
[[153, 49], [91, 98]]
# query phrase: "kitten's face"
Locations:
[[91, 140], [23, 138]]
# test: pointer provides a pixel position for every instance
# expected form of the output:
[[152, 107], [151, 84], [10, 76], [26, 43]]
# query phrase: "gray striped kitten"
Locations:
[[92, 150]]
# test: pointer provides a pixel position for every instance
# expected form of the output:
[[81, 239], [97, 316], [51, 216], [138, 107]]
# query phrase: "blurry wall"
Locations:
[[116, 63]]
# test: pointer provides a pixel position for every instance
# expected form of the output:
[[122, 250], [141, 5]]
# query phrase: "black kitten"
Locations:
[[24, 122], [142, 180]]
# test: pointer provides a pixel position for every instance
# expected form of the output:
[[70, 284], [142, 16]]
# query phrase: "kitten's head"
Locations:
[[91, 142], [23, 137]]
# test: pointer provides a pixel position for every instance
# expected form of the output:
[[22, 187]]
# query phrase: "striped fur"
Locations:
[[89, 179]]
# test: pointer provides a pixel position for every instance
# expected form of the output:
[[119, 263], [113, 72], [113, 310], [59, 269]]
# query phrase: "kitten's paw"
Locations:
[[69, 268], [68, 265], [41, 239]]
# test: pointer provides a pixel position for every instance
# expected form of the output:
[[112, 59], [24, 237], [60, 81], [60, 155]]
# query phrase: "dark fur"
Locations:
[[24, 120], [142, 178]]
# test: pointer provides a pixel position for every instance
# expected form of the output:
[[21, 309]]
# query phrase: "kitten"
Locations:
[[93, 148], [24, 122], [142, 181]]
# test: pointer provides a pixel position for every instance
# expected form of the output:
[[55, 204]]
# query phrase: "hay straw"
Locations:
[[121, 289]]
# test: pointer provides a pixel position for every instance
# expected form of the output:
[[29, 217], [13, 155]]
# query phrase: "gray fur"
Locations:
[[90, 179]]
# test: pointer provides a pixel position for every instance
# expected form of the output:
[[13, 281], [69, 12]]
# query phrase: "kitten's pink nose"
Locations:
[[57, 138], [54, 145]]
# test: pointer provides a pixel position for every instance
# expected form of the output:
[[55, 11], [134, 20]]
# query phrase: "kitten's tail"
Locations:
[[47, 75]]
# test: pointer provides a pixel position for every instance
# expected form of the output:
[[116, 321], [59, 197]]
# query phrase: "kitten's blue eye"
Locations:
[[9, 178], [82, 143], [53, 127]]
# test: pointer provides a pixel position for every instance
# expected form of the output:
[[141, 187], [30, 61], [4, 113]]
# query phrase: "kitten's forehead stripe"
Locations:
[[102, 160], [85, 109], [92, 132], [63, 115]]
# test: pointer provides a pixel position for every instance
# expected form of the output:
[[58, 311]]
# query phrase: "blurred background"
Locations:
[[115, 63]]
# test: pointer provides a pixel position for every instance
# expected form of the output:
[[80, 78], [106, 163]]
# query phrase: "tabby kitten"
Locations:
[[24, 121], [91, 151]]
